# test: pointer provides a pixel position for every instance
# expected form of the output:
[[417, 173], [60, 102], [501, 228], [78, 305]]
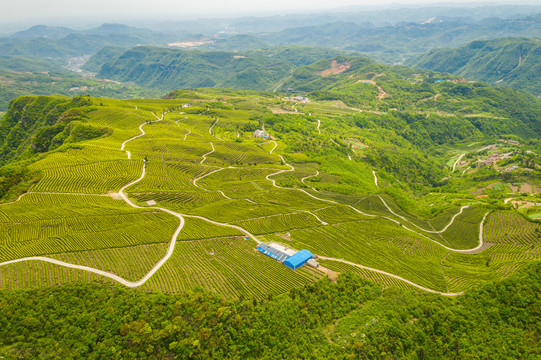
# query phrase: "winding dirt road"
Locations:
[[181, 217]]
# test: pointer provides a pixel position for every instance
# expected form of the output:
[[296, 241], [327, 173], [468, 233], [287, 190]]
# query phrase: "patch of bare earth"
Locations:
[[278, 110], [331, 274], [114, 195], [335, 68], [526, 188]]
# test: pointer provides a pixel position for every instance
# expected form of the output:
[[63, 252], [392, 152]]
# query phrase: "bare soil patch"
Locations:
[[279, 110], [526, 188], [335, 68], [114, 195], [331, 274]]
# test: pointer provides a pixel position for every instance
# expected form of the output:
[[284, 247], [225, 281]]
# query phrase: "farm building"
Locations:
[[313, 263], [261, 134], [299, 259], [273, 251], [290, 257]]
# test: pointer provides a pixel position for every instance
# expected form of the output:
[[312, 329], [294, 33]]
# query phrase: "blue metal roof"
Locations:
[[272, 252], [299, 259]]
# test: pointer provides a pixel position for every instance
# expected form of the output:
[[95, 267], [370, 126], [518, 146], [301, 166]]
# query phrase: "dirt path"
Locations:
[[314, 215], [176, 122], [420, 228], [138, 136], [375, 178], [382, 94], [210, 130], [318, 124], [205, 155], [188, 133], [181, 217], [456, 162], [391, 275], [334, 142], [195, 180], [307, 177]]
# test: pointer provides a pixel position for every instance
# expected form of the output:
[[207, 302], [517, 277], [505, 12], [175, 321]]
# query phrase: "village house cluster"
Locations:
[[491, 159], [300, 99]]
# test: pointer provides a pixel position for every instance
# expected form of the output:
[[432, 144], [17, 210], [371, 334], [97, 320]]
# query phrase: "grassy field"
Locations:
[[202, 160]]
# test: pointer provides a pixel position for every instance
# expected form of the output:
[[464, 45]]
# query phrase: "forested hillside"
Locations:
[[510, 62], [169, 69], [350, 319], [456, 104], [58, 44]]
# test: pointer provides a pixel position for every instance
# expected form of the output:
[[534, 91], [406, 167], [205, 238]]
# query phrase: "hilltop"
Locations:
[[511, 62]]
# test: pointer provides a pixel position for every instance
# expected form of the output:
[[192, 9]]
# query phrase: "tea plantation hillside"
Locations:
[[175, 194]]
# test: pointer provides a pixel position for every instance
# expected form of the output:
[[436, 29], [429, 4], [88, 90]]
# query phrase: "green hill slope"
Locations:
[[106, 55], [169, 69], [511, 62], [454, 107], [350, 319], [23, 76], [107, 182]]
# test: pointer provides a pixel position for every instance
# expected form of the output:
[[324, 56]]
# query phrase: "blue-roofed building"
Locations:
[[273, 252], [299, 259]]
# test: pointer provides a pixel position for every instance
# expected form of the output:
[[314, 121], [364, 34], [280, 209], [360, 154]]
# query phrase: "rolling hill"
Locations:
[[169, 69], [57, 44], [168, 227], [185, 177], [32, 76], [511, 62]]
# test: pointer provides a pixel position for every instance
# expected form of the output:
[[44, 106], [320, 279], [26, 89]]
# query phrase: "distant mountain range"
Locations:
[[260, 53], [389, 36], [57, 44], [512, 62]]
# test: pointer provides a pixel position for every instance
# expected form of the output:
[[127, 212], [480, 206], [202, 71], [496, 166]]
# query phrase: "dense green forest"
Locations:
[[353, 318], [511, 62]]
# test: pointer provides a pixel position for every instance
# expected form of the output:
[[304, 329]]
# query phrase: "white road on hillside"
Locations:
[[181, 217]]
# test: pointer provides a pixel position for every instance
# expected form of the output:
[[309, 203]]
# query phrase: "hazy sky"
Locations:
[[72, 12]]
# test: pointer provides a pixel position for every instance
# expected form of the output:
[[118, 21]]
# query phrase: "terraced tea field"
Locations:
[[175, 201]]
